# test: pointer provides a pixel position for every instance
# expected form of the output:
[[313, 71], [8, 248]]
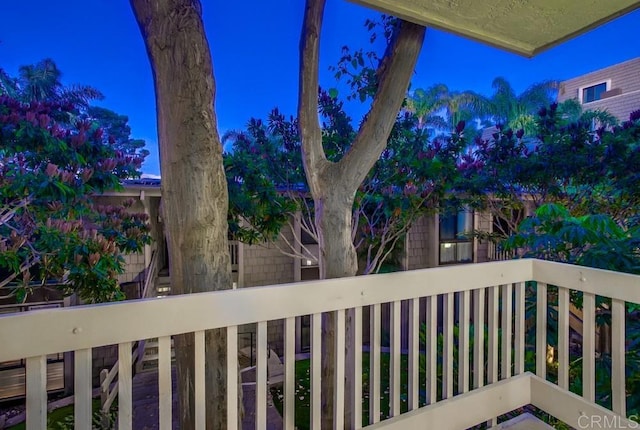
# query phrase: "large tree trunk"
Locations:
[[194, 188], [338, 256], [333, 185]]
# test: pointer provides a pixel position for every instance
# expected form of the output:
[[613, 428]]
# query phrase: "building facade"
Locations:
[[615, 89]]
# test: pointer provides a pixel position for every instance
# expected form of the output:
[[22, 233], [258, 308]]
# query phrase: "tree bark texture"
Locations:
[[333, 185], [194, 188]]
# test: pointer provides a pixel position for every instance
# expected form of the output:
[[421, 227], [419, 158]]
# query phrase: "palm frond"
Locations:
[[8, 85], [539, 94]]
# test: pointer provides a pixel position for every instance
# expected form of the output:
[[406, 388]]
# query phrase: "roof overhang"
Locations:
[[526, 27]]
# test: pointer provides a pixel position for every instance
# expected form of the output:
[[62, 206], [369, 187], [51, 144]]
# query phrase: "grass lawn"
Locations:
[[303, 396], [61, 418]]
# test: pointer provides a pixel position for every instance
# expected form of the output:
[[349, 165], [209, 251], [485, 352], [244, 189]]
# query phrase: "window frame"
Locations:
[[456, 240], [581, 89]]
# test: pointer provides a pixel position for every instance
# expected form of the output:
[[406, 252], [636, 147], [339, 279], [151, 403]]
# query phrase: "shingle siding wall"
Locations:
[[483, 223], [267, 265], [625, 76], [134, 268], [419, 240], [619, 106]]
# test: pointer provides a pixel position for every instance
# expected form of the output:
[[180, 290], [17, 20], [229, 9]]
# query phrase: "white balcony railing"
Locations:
[[490, 377]]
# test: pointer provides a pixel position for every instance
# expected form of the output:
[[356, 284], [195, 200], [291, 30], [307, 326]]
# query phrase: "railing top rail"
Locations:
[[51, 331], [46, 332], [616, 285]]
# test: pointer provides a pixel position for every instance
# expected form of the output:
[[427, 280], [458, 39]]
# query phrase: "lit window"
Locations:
[[454, 247], [593, 93]]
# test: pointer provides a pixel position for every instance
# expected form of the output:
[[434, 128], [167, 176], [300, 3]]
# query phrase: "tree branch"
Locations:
[[395, 71], [313, 156]]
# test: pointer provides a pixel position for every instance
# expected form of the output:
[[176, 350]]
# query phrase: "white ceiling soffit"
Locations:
[[526, 27]]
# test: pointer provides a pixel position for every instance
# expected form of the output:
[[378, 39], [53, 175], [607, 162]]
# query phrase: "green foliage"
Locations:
[[359, 68], [586, 170], [50, 228], [588, 240], [117, 131], [264, 171]]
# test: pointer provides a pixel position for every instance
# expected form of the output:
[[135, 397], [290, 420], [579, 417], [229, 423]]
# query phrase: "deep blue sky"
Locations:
[[254, 47]]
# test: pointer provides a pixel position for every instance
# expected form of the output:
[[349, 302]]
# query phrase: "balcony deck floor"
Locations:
[[525, 421]]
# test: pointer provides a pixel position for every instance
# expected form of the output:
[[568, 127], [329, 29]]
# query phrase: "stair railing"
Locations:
[[108, 377]]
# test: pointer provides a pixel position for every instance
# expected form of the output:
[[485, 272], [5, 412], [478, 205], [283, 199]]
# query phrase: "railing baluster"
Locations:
[[541, 330], [447, 351], [374, 365], [492, 353], [493, 318], [82, 388], [356, 368], [165, 399], [618, 349], [463, 342], [519, 335], [232, 378], [199, 380], [125, 399], [432, 349], [589, 346], [338, 385], [289, 373], [563, 338], [316, 370], [261, 376], [414, 350], [478, 338], [36, 386], [394, 365], [507, 320]]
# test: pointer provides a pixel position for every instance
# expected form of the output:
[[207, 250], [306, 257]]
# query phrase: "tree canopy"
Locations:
[[585, 170], [57, 153], [267, 185]]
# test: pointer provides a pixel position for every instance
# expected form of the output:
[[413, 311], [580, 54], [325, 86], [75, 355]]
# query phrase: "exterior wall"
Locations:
[[266, 265], [134, 268], [421, 244], [624, 76], [483, 222]]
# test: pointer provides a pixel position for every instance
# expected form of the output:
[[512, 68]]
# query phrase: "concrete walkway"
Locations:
[[145, 404]]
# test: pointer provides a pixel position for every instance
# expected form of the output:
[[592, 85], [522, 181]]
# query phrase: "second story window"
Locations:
[[594, 92]]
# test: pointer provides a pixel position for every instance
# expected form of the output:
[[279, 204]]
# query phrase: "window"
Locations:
[[455, 248], [593, 93]]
